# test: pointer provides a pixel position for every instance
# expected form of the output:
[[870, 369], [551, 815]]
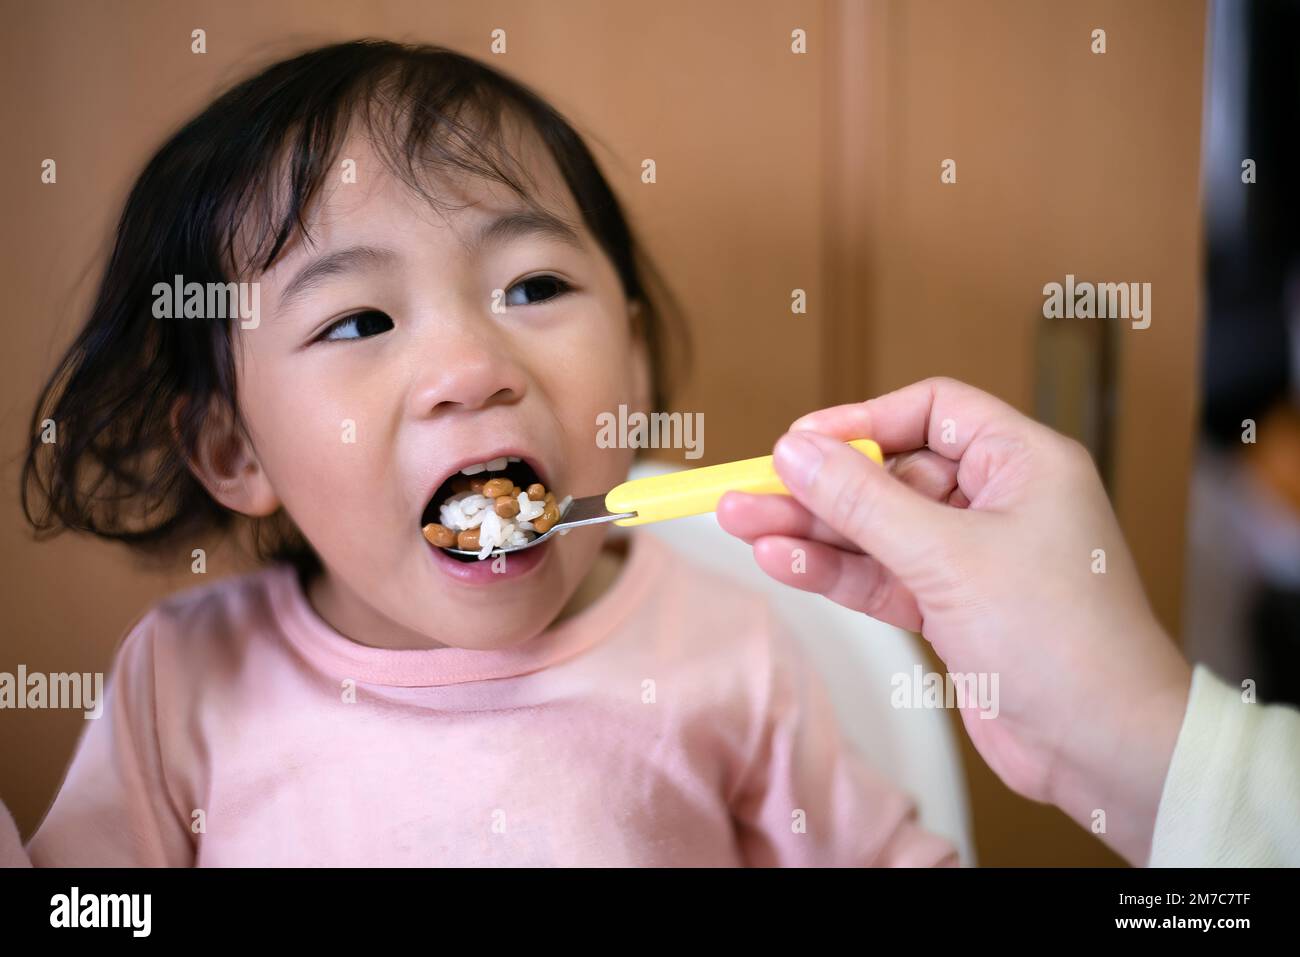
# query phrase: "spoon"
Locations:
[[658, 498]]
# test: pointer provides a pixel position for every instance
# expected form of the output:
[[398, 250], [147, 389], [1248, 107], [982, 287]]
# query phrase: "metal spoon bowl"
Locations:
[[581, 511]]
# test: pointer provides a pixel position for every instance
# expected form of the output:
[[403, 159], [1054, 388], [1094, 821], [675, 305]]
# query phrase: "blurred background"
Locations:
[[1243, 571], [819, 171]]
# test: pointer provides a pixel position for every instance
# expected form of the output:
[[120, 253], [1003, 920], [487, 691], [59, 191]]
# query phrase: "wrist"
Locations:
[[1111, 780]]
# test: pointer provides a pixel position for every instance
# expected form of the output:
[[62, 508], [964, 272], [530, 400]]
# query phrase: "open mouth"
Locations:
[[487, 505]]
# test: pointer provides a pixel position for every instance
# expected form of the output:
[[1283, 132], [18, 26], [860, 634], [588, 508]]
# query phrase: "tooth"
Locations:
[[496, 465], [514, 458], [473, 469]]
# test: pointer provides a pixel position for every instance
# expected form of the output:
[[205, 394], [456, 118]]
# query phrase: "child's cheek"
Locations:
[[323, 450], [595, 466]]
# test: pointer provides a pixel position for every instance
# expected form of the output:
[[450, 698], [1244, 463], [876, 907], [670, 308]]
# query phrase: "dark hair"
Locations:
[[202, 206]]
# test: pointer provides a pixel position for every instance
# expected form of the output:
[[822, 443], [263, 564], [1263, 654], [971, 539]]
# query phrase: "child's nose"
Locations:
[[467, 372]]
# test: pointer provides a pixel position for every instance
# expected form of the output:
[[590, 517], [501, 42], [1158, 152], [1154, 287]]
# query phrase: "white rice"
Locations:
[[475, 510]]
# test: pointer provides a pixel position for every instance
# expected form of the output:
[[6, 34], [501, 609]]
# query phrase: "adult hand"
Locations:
[[987, 533]]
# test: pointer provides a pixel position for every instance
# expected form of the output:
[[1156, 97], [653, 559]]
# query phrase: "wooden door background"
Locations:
[[776, 171]]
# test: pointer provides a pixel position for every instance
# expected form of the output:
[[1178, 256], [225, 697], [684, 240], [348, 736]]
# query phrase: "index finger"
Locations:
[[942, 414]]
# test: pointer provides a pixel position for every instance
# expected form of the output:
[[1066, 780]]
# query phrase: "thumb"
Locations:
[[861, 500]]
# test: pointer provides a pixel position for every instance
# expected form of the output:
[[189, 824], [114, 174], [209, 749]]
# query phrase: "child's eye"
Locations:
[[541, 287], [358, 326]]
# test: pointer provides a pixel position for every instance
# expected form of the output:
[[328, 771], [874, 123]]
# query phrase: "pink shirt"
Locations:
[[673, 722]]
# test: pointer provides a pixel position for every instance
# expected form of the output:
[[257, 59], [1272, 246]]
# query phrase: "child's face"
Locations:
[[354, 433]]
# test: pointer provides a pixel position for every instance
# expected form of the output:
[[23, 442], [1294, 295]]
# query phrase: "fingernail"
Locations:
[[797, 460]]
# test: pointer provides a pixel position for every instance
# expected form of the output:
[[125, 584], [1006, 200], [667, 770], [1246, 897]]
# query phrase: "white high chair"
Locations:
[[856, 656]]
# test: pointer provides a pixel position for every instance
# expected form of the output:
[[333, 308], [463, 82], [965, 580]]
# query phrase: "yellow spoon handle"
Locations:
[[695, 491]]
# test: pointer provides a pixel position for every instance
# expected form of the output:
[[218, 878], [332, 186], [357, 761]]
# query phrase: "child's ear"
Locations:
[[226, 463], [641, 390]]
